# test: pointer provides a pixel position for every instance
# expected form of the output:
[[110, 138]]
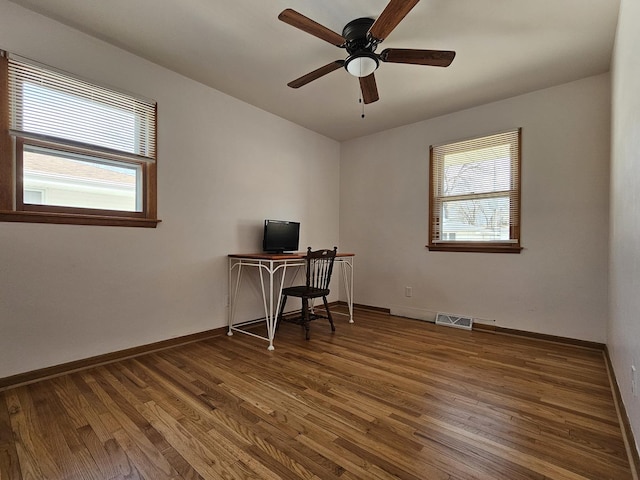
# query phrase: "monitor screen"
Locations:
[[280, 236]]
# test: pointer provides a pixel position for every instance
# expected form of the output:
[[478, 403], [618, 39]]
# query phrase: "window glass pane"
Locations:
[[70, 180], [33, 196], [475, 220], [477, 171]]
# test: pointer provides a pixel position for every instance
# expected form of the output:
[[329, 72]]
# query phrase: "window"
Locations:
[[72, 151], [33, 196], [475, 194]]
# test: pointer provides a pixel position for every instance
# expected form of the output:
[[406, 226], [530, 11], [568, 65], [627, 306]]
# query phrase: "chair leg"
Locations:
[[283, 303], [326, 306], [305, 317]]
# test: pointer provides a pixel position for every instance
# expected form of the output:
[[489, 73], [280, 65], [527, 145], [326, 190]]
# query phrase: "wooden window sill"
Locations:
[[76, 219], [475, 248]]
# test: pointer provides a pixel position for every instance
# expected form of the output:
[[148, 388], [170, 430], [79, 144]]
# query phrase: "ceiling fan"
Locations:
[[361, 37]]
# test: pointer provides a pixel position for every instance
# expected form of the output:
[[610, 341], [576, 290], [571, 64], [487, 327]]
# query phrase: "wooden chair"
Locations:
[[319, 266]]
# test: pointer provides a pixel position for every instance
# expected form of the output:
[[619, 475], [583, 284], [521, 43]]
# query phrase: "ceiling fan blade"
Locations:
[[311, 76], [436, 58], [305, 24], [390, 17], [369, 89]]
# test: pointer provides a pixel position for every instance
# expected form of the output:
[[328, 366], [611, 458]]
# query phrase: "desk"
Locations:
[[272, 269]]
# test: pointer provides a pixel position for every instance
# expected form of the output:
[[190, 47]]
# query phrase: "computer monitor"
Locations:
[[281, 236]]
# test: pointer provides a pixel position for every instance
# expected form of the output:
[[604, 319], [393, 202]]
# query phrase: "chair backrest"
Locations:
[[320, 267]]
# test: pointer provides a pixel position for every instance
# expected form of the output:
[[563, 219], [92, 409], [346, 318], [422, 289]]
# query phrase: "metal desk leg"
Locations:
[[267, 303], [348, 284], [233, 291]]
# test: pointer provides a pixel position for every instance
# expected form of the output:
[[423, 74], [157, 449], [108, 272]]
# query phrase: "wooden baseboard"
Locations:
[[539, 336], [57, 370], [363, 307], [625, 425]]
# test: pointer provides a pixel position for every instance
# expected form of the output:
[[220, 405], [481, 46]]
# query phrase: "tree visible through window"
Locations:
[[475, 194]]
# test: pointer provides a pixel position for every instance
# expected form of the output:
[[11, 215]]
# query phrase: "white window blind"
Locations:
[[50, 105], [476, 190]]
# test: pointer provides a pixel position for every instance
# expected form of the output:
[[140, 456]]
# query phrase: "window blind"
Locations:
[[51, 105], [476, 190]]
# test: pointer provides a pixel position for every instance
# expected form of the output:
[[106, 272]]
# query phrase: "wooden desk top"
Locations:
[[280, 256]]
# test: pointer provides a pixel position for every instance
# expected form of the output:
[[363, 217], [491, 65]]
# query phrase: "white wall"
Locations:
[[624, 318], [558, 284], [70, 292]]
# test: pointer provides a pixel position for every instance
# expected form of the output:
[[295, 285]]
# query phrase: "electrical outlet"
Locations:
[[408, 291], [634, 381]]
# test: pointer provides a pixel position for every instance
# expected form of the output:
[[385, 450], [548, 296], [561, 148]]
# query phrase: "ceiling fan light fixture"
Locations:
[[361, 64]]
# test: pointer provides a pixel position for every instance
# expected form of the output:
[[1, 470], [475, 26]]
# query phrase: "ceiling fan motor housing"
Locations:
[[355, 34]]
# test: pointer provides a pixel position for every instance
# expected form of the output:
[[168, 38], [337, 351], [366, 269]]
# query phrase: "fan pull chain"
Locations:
[[362, 103]]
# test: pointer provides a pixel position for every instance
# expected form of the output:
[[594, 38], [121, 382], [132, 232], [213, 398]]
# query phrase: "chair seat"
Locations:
[[305, 292]]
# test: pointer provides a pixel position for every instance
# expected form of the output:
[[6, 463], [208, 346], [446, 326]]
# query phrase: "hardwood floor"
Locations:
[[384, 398]]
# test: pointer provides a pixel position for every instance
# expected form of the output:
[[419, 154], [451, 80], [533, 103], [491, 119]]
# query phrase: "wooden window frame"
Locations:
[[12, 207], [512, 246]]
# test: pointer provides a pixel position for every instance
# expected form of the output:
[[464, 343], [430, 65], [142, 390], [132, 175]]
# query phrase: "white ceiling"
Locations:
[[504, 48]]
